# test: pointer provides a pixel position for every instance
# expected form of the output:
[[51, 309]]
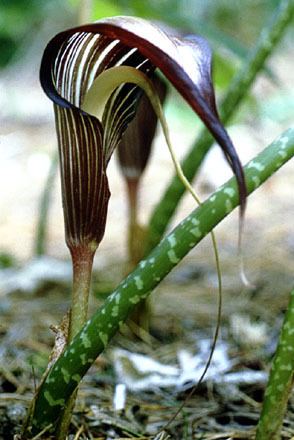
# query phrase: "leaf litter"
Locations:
[[183, 318], [136, 386]]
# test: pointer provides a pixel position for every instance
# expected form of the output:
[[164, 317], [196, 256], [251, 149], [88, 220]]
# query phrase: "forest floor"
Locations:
[[183, 308]]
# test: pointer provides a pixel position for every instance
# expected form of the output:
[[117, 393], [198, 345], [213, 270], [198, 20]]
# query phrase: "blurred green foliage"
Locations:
[[101, 8], [17, 19], [230, 24], [6, 260]]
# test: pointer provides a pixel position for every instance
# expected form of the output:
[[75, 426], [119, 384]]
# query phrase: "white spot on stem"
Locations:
[[139, 283], [172, 240], [86, 341], [172, 256], [256, 165], [114, 312], [51, 401], [104, 338], [195, 221], [66, 375], [229, 206], [230, 192], [135, 299], [256, 181], [196, 232]]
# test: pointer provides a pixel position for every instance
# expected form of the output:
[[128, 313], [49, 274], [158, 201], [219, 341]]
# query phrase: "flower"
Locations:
[[73, 61]]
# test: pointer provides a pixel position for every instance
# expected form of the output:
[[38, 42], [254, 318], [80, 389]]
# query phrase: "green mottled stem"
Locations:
[[95, 335], [41, 236], [65, 418], [238, 89], [280, 381]]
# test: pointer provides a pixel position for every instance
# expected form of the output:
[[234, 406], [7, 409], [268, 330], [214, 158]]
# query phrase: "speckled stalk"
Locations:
[[280, 381], [95, 335], [238, 89]]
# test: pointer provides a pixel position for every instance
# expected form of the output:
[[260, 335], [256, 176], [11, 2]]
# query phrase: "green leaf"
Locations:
[[280, 382]]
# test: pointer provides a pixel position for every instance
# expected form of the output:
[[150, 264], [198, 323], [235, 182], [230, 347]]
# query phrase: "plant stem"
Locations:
[[84, 11], [238, 89], [82, 259], [65, 419], [73, 364], [280, 381], [135, 246], [41, 235], [136, 236]]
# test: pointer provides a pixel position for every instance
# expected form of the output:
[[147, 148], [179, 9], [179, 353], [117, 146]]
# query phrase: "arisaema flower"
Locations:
[[87, 72], [96, 75]]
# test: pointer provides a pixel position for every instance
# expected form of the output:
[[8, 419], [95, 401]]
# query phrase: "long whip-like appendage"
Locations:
[[99, 92]]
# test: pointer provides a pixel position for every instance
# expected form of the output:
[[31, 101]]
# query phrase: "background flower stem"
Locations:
[[44, 205]]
